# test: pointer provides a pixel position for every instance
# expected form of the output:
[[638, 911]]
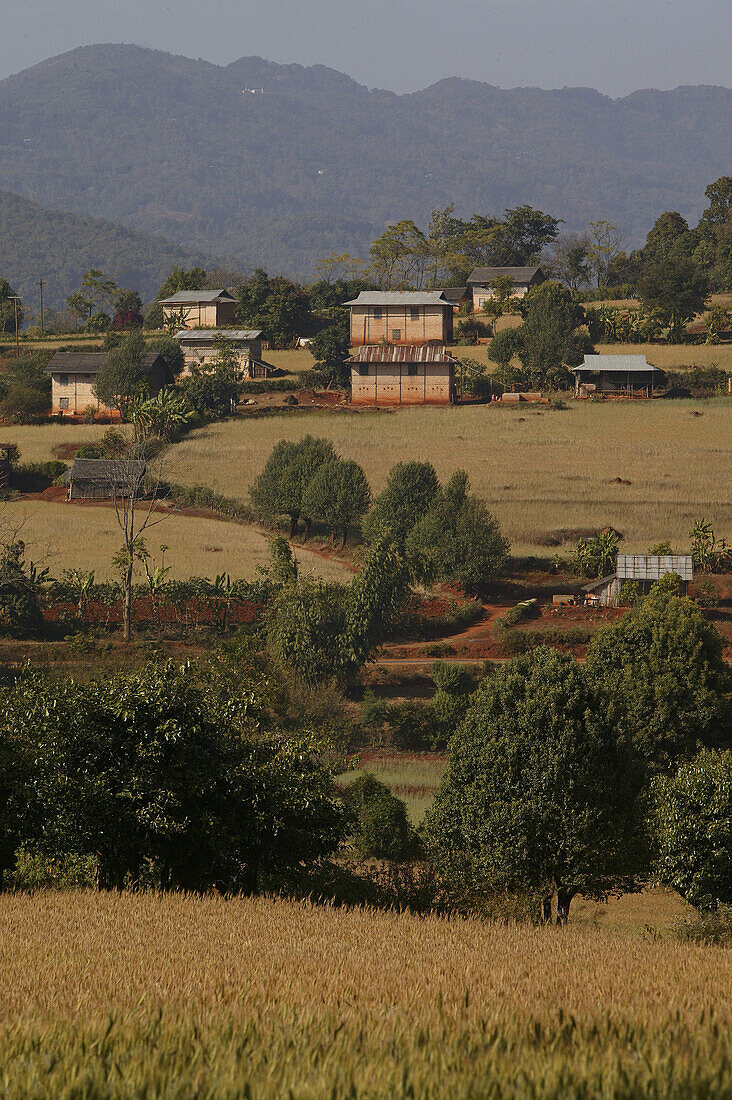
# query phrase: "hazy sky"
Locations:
[[616, 46]]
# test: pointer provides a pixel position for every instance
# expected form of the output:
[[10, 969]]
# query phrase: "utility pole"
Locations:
[[15, 299], [40, 284]]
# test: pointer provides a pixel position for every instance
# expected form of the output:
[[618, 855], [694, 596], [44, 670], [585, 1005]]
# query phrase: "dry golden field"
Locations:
[[540, 470], [78, 536], [142, 995]]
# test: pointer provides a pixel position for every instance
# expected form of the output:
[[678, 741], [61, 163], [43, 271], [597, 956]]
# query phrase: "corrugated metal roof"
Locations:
[[401, 353], [208, 335], [518, 274], [399, 298], [650, 567], [111, 470], [627, 364], [88, 362], [601, 582], [193, 297]]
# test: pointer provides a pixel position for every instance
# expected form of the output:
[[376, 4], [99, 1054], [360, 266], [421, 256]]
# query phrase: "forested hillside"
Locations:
[[279, 165], [60, 248]]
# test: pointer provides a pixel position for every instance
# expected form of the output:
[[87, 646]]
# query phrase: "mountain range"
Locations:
[[278, 165]]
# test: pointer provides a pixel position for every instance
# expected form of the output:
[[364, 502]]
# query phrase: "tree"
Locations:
[[665, 684], [675, 290], [693, 822], [605, 244], [20, 581], [156, 768], [533, 796], [569, 260], [501, 300], [182, 278], [337, 495], [505, 345], [169, 351], [400, 257], [96, 291], [330, 348], [8, 308], [410, 490], [551, 336], [528, 232], [25, 388], [457, 539], [123, 379], [668, 238], [277, 305], [280, 488], [328, 632], [127, 310], [381, 828]]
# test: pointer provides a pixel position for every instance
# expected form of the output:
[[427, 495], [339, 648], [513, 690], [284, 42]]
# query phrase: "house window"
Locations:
[[63, 379], [396, 334], [63, 402], [412, 369], [414, 313], [363, 369], [378, 313]]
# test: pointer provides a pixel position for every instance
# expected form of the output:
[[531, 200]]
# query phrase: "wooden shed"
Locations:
[[397, 375], [644, 569], [104, 478]]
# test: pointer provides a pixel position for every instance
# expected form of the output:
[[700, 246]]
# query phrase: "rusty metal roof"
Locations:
[[402, 353]]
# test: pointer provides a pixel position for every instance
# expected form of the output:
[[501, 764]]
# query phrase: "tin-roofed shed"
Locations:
[[617, 376]]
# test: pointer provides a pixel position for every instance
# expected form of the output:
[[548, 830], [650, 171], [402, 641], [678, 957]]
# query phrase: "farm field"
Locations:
[[540, 470], [79, 536], [123, 995]]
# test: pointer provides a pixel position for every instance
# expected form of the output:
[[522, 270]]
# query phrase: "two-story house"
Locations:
[[73, 374], [401, 317], [200, 308]]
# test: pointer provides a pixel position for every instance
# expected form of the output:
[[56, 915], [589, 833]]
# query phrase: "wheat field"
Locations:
[[539, 469], [139, 995], [78, 536]]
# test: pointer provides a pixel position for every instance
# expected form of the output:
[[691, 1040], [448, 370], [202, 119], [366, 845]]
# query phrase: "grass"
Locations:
[[412, 776], [179, 997], [538, 469], [295, 361], [68, 536], [36, 442]]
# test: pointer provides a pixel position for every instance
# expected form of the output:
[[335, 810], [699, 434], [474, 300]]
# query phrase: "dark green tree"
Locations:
[[280, 488], [169, 351], [410, 490], [330, 349], [552, 338], [533, 798], [20, 609], [124, 377], [381, 828], [665, 684], [338, 496], [505, 345], [675, 290], [693, 820], [457, 539], [277, 305], [25, 388], [181, 278], [156, 769], [8, 308], [668, 238]]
